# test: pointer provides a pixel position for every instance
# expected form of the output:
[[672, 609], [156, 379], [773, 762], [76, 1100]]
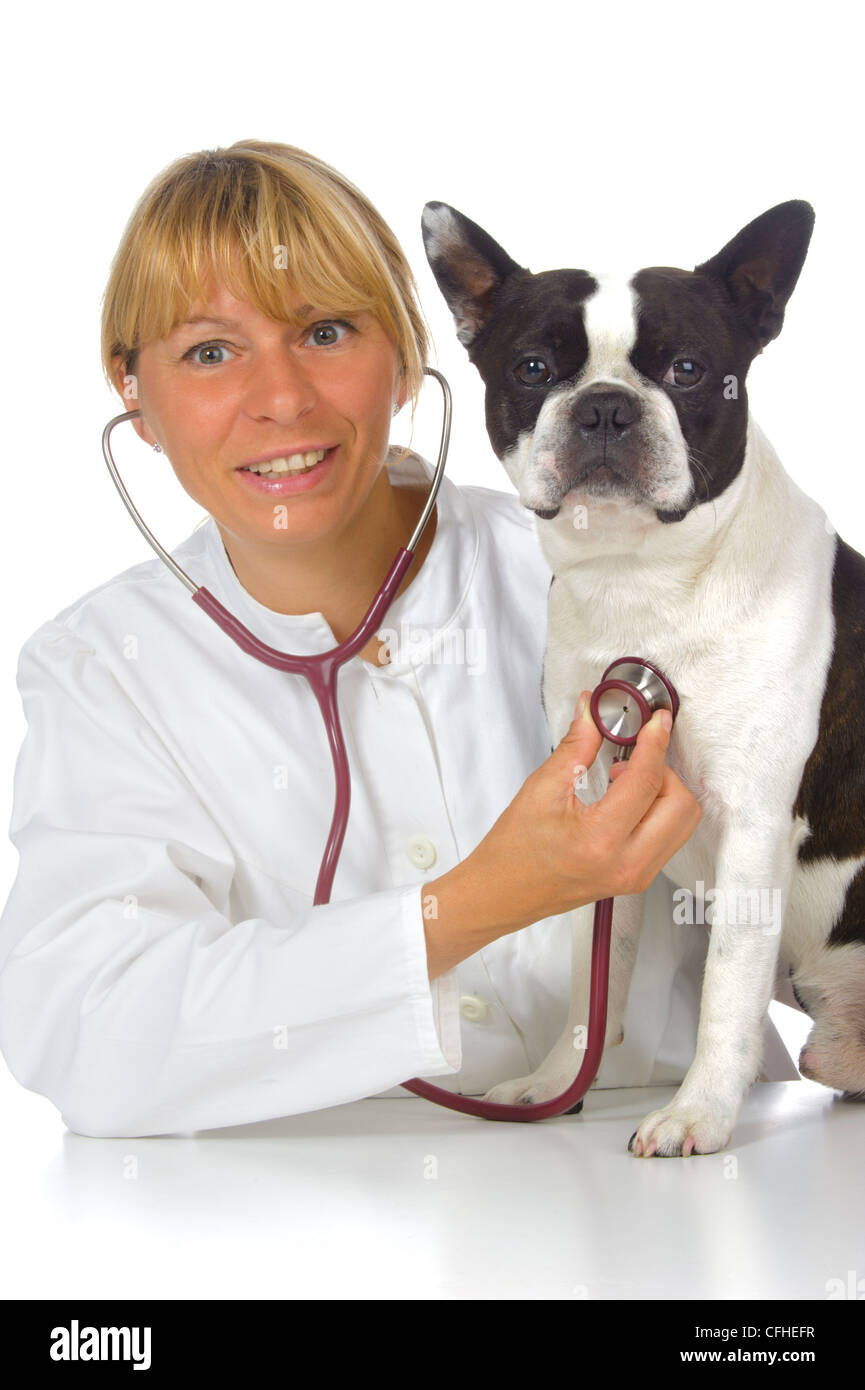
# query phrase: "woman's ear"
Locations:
[[126, 385]]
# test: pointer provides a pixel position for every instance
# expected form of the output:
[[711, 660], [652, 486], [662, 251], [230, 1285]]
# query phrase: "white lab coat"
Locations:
[[162, 968]]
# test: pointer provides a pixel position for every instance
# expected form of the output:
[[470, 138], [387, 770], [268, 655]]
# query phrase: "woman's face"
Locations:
[[235, 388]]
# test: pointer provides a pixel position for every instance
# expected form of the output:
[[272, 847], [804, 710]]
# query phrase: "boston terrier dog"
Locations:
[[617, 405]]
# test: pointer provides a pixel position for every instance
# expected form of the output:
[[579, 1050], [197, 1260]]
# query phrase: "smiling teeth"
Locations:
[[295, 463]]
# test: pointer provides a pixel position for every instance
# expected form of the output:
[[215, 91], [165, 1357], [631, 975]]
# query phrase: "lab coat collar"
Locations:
[[428, 605]]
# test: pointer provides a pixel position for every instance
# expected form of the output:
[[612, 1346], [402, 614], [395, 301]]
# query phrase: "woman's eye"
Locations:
[[683, 372], [200, 348], [326, 334], [533, 371]]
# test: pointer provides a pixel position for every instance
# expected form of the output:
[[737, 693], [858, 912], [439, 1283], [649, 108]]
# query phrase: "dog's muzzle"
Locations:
[[599, 431]]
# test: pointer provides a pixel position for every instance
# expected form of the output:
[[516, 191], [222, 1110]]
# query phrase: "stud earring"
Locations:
[[396, 409], [157, 448]]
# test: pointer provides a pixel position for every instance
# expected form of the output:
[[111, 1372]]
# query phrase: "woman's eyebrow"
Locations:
[[303, 312], [205, 318]]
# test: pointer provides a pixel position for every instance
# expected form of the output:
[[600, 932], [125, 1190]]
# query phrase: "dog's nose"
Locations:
[[597, 412]]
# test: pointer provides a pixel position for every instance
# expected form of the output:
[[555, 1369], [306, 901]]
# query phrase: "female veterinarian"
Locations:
[[162, 965]]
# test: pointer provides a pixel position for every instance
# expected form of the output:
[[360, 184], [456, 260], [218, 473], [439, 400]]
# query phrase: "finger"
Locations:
[[579, 747], [631, 793], [669, 824]]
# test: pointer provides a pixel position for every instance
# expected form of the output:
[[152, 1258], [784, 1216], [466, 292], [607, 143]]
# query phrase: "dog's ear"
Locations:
[[469, 266], [760, 266]]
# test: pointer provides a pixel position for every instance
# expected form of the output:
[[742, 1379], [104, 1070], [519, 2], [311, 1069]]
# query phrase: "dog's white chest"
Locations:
[[750, 676]]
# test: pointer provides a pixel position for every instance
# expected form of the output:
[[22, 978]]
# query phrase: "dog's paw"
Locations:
[[553, 1077], [529, 1090], [679, 1130]]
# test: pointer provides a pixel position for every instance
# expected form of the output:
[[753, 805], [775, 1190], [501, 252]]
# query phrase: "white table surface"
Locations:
[[401, 1199]]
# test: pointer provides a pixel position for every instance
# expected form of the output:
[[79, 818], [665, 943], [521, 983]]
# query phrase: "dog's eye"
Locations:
[[684, 372], [533, 371]]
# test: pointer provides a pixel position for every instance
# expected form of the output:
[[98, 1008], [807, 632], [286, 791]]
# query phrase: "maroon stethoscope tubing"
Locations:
[[321, 670], [572, 1098]]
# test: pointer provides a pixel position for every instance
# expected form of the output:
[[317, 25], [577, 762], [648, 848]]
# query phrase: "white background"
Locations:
[[588, 136]]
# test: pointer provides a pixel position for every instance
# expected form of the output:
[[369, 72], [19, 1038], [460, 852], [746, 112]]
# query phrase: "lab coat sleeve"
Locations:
[[127, 995]]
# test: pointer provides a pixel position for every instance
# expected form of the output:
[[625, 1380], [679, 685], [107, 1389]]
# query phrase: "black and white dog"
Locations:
[[618, 407]]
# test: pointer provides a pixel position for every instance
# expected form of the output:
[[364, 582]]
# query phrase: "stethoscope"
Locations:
[[620, 705]]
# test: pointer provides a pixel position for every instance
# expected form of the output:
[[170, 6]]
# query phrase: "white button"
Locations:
[[473, 1008], [421, 851]]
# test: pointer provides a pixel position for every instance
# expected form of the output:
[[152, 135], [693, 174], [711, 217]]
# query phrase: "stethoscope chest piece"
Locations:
[[626, 697]]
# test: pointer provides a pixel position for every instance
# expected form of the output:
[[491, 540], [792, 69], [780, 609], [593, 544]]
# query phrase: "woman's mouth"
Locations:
[[294, 473]]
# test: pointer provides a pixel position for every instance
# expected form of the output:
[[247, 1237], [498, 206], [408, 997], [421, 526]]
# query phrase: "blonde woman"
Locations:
[[162, 967]]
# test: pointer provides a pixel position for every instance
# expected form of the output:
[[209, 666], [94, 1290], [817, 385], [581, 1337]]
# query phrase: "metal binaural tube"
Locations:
[[130, 505], [440, 464]]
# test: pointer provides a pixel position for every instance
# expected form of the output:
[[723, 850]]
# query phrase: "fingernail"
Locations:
[[584, 712], [664, 717]]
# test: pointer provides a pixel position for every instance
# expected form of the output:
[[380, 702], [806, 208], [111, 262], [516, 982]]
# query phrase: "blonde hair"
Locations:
[[266, 218]]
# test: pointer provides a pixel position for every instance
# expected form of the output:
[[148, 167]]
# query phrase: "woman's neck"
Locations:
[[338, 579]]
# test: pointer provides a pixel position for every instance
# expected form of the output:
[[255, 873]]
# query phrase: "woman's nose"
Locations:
[[280, 388]]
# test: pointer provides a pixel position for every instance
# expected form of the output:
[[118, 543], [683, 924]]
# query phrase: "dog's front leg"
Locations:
[[562, 1063], [747, 918]]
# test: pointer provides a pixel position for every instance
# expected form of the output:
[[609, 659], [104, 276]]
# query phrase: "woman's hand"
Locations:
[[548, 853]]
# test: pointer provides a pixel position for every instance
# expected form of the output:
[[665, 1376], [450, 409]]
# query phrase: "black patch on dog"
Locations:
[[831, 795], [683, 314], [536, 316]]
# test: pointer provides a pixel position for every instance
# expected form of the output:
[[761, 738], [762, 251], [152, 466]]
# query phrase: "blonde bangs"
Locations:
[[268, 221]]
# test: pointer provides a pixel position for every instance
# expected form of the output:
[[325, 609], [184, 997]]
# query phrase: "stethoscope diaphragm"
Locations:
[[626, 697]]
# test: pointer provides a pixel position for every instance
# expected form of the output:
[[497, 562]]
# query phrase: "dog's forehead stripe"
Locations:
[[610, 319]]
